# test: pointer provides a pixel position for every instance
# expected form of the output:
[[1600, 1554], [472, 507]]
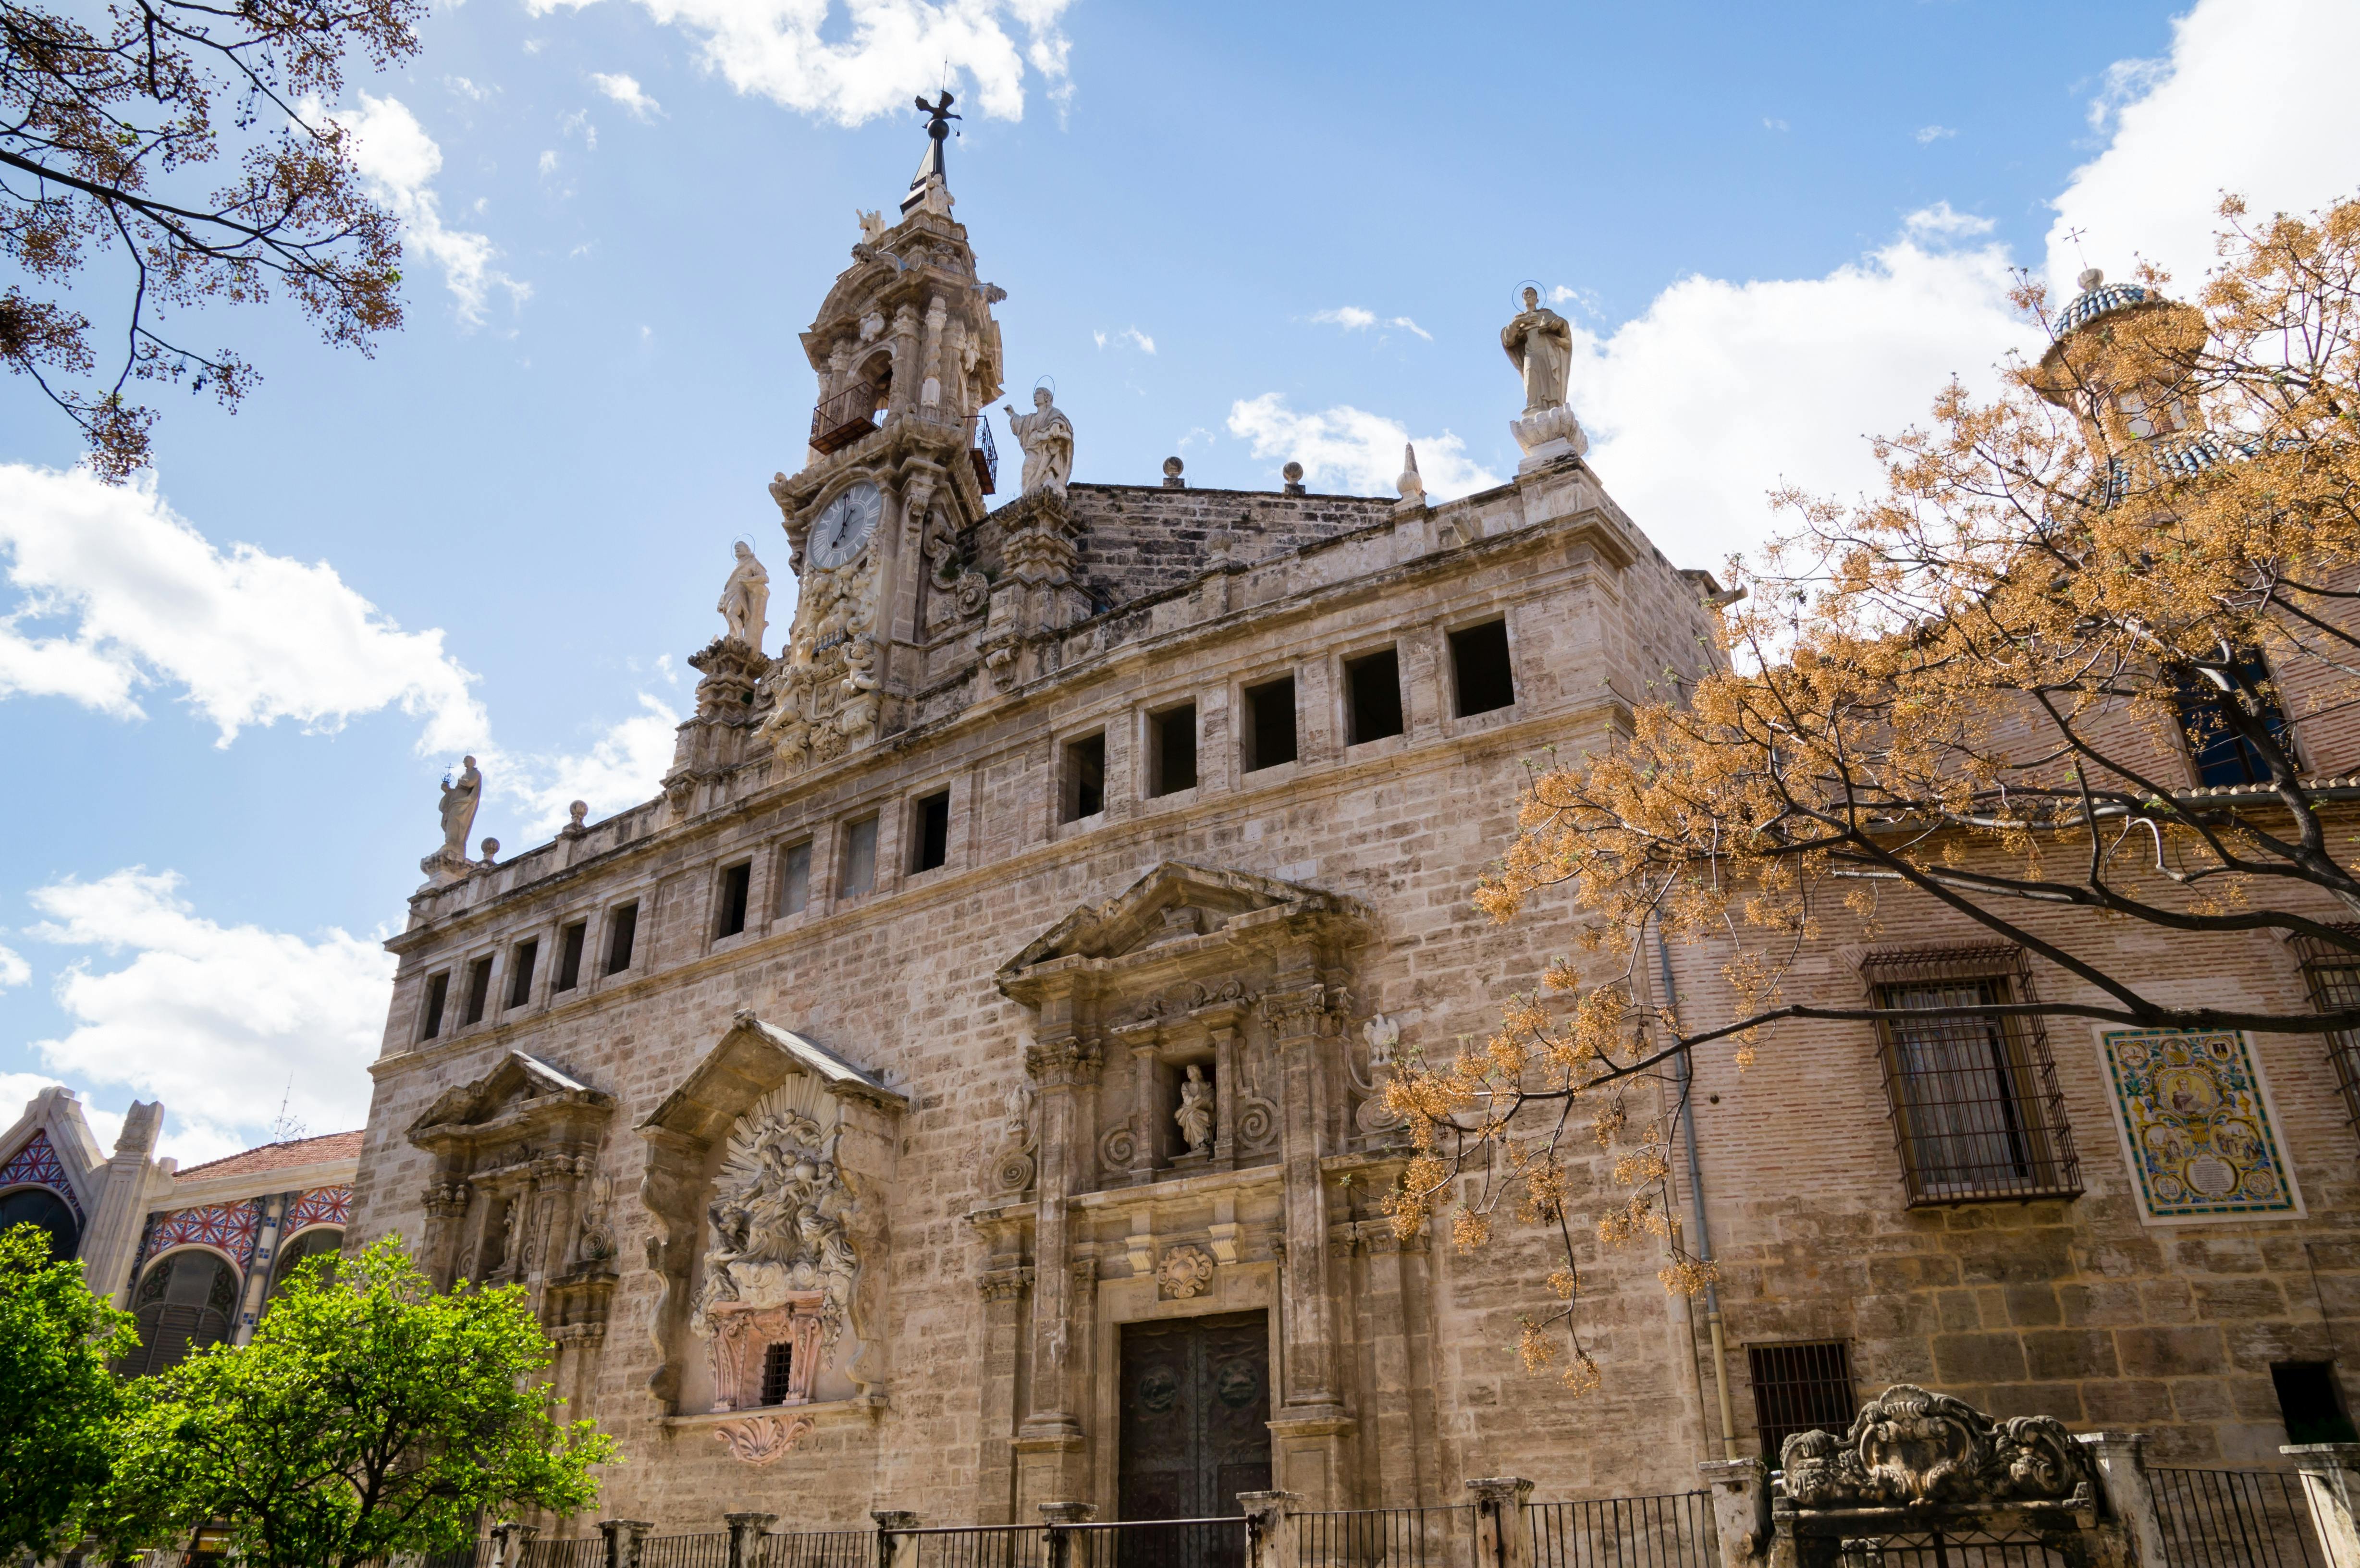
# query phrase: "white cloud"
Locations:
[[215, 1020], [622, 767], [1940, 222], [1930, 133], [1131, 335], [625, 91], [1353, 319], [580, 121], [877, 56], [14, 971], [120, 595], [467, 89], [398, 161], [548, 161], [2253, 99], [1770, 125], [1360, 450]]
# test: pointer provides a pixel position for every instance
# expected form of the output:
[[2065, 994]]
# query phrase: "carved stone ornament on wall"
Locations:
[[824, 687], [1907, 1446], [1185, 1272], [779, 1219], [763, 1440], [1009, 1165]]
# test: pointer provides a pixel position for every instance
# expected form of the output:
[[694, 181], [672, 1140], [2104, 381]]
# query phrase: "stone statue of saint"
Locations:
[[459, 802], [1048, 438], [1195, 1113], [746, 599], [1540, 345]]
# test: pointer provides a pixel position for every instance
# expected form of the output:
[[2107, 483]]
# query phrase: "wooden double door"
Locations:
[[1195, 1415]]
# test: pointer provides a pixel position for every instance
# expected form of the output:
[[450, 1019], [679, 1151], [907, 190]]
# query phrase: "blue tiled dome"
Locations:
[[2097, 298]]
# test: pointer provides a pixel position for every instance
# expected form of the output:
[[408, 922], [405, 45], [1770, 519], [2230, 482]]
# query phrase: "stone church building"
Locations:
[[959, 1090]]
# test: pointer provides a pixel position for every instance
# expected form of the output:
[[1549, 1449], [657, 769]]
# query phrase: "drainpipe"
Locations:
[[1686, 1070]]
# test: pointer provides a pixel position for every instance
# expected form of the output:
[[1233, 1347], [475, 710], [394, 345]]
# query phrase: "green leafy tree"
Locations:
[[57, 1400], [368, 1416]]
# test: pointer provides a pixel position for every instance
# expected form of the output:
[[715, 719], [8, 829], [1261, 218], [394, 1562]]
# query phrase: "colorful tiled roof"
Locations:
[[280, 1156], [2097, 298]]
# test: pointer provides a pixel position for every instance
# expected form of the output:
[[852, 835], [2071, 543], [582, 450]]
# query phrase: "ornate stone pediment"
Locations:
[[765, 1173], [1171, 904], [523, 1097]]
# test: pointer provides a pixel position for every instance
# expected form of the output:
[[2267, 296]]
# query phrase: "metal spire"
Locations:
[[931, 168]]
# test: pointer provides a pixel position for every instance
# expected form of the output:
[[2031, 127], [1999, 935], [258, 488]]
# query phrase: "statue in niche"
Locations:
[[778, 1217], [1195, 1113], [1048, 438], [459, 802], [746, 599], [1540, 345]]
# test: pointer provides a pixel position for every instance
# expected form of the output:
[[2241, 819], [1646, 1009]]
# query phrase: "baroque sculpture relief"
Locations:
[[1908, 1445], [1048, 438], [824, 688], [779, 1221], [1185, 1273]]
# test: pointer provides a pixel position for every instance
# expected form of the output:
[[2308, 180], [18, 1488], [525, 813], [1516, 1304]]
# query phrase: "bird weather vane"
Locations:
[[938, 115]]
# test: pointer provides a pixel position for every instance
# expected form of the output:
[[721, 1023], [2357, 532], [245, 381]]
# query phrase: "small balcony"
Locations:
[[843, 418], [984, 455]]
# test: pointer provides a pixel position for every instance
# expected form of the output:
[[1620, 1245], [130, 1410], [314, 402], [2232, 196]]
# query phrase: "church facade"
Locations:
[[960, 1091]]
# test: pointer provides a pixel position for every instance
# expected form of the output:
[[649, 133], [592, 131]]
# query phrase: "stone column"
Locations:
[[1503, 1537], [896, 1547], [1003, 1298], [1063, 1062], [1307, 1431], [257, 1270], [1061, 1542], [2120, 1459], [623, 1540], [508, 1540], [1741, 1510], [1225, 1097], [929, 386], [1145, 1108], [2330, 1483], [1270, 1528], [746, 1532]]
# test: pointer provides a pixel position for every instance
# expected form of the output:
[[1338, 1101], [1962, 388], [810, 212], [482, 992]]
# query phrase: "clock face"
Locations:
[[843, 525]]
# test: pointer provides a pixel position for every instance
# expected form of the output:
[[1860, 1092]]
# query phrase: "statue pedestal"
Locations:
[[442, 868], [1548, 434]]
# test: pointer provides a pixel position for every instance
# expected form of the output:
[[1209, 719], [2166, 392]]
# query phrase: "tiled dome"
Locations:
[[2097, 298]]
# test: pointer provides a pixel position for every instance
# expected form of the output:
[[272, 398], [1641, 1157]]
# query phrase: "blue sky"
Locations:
[[1236, 234]]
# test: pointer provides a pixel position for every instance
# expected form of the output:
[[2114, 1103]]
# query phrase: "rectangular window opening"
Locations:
[[1799, 1387], [520, 966], [1270, 723], [622, 930], [2311, 1401], [794, 879], [930, 831], [1172, 750], [778, 1372], [736, 881], [1085, 781], [2224, 755], [479, 989], [1479, 668], [1372, 704], [1976, 1108], [859, 858], [438, 992], [570, 943]]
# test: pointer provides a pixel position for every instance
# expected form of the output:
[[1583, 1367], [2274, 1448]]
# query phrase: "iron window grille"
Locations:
[[778, 1372], [2333, 977], [1799, 1387], [1977, 1113]]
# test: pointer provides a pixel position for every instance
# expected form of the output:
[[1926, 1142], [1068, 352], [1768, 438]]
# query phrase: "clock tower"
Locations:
[[908, 363]]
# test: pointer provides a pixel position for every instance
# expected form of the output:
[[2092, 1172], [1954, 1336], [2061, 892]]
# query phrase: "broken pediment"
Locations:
[[1177, 903], [752, 1058], [522, 1097]]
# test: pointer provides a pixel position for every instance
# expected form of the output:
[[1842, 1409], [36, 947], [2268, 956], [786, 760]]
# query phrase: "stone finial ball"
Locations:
[[491, 847], [1172, 468], [2091, 277], [1292, 474], [577, 811]]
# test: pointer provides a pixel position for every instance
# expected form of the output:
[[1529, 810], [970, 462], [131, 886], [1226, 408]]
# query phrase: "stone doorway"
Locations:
[[1195, 1415]]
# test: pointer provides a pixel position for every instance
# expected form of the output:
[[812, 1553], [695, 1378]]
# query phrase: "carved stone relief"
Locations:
[[779, 1219], [1008, 1166], [1910, 1446], [763, 1440], [1185, 1272], [824, 687]]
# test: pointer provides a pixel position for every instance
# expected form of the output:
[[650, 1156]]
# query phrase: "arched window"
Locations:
[[310, 1244], [186, 1302], [38, 1206]]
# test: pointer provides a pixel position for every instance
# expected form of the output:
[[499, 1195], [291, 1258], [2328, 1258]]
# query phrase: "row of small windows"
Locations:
[[1483, 681]]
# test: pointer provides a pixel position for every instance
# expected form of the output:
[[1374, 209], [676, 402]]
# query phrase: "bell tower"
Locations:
[[908, 363]]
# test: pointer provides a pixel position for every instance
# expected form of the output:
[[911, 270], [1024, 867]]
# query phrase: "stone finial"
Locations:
[[1293, 474], [576, 825], [1172, 480], [1412, 487], [491, 853], [2091, 277]]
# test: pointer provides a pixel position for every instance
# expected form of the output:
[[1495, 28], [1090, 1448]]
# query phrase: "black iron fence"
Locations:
[[812, 1549], [1395, 1538], [1952, 1549], [978, 1546], [2234, 1518], [1670, 1530]]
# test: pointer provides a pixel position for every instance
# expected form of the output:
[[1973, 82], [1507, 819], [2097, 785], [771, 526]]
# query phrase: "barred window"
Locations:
[[1977, 1114], [1799, 1387], [2334, 980]]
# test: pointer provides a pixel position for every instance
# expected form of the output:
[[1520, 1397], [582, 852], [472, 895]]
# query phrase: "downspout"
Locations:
[[1696, 1202]]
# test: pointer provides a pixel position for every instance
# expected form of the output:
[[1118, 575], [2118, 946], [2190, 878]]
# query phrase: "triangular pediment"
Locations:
[[520, 1087], [1174, 902], [752, 1058]]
